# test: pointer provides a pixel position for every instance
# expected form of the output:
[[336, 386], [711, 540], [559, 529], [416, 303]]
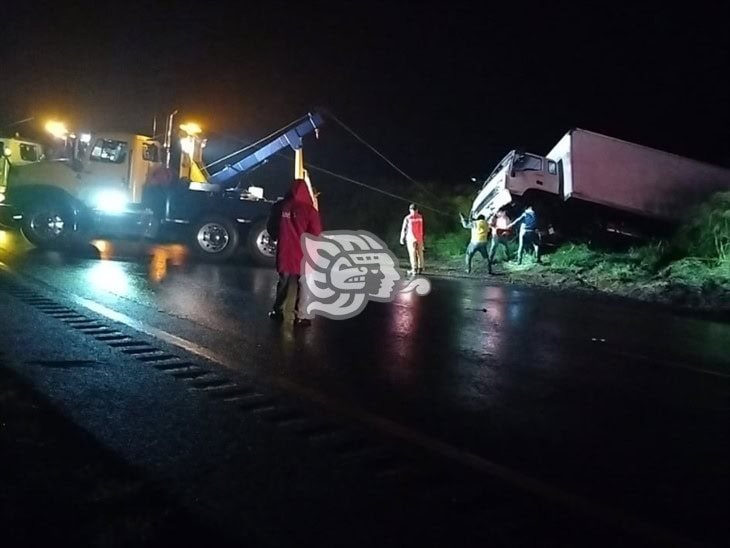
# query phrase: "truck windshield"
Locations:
[[109, 150], [527, 162]]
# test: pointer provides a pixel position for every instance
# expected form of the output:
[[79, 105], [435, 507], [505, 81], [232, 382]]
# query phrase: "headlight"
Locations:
[[111, 201], [2, 196]]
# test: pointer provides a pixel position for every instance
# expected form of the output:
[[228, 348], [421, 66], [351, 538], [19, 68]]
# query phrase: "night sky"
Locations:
[[443, 89]]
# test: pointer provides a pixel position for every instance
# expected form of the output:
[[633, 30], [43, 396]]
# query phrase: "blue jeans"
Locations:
[[529, 237]]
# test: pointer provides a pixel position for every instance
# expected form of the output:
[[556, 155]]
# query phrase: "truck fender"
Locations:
[[23, 197], [49, 215]]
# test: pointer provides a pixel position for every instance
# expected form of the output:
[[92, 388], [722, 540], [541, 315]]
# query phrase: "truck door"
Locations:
[[561, 178], [144, 158], [108, 166], [532, 172]]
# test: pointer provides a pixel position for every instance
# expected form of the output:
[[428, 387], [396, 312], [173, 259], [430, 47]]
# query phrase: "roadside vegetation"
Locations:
[[691, 269]]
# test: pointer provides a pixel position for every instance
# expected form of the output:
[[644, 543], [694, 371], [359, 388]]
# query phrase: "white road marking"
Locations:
[[534, 486]]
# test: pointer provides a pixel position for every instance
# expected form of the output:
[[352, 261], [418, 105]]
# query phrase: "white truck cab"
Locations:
[[517, 173]]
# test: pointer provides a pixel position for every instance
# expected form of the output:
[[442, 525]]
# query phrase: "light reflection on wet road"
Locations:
[[580, 390]]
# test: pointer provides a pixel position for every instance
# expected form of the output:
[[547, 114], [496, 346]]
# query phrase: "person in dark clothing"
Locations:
[[296, 215], [528, 233]]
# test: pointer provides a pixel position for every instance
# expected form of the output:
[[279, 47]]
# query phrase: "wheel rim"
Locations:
[[213, 237], [47, 225], [265, 245]]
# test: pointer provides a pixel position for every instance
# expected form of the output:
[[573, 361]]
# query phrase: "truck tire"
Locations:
[[48, 224], [261, 248], [215, 238]]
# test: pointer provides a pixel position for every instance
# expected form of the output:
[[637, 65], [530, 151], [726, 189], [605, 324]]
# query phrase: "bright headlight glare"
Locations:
[[111, 201]]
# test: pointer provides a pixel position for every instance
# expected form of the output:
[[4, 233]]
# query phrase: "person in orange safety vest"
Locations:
[[412, 235]]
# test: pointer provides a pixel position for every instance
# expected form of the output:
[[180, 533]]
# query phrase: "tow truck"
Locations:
[[114, 184]]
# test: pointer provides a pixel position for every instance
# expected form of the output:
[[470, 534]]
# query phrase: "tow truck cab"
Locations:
[[103, 175]]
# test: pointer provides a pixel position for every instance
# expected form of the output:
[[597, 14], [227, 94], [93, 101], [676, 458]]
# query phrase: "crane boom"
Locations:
[[290, 136]]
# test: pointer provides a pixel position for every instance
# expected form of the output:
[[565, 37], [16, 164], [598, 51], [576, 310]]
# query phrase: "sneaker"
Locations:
[[302, 322], [276, 316]]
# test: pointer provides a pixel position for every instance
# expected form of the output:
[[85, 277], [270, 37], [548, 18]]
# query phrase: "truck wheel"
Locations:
[[261, 247], [47, 225], [215, 238]]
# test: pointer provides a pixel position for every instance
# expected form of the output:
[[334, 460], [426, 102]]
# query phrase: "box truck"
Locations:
[[590, 182]]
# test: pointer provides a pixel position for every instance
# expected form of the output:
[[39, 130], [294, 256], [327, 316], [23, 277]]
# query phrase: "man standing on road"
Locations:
[[478, 242], [528, 233], [411, 234], [499, 224], [296, 215]]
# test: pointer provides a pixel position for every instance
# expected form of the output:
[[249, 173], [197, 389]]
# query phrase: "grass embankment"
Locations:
[[691, 269]]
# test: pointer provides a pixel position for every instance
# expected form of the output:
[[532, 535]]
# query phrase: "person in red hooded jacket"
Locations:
[[297, 215]]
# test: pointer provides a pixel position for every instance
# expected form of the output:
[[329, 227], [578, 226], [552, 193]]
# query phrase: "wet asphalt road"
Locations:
[[620, 404]]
